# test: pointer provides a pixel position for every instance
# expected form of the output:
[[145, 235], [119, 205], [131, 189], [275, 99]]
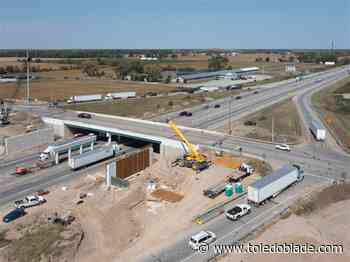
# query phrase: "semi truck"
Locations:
[[270, 186], [63, 147], [318, 130], [91, 157], [120, 95], [84, 98]]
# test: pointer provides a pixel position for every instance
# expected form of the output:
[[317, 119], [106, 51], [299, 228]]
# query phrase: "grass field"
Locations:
[[51, 89], [334, 110], [61, 84], [147, 107], [12, 61], [287, 124]]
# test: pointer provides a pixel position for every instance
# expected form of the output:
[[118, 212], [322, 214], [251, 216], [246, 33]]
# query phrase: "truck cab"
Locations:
[[30, 201], [44, 156], [238, 211]]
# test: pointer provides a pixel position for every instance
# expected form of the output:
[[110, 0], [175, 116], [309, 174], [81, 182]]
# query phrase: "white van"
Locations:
[[203, 237]]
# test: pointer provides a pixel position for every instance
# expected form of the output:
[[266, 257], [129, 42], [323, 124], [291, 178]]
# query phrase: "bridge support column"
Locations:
[[69, 153], [92, 146], [56, 159], [81, 149], [109, 137]]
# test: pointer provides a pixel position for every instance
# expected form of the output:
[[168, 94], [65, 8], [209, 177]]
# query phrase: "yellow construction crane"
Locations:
[[192, 159]]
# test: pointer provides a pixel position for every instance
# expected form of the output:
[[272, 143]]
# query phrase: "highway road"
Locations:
[[231, 108], [321, 165]]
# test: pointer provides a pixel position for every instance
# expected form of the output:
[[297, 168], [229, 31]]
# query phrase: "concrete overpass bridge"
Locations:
[[326, 162]]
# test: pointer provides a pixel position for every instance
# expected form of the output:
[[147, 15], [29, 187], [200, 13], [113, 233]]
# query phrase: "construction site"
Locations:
[[85, 185], [111, 218]]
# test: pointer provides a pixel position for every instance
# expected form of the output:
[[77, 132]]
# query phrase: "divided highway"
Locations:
[[321, 165]]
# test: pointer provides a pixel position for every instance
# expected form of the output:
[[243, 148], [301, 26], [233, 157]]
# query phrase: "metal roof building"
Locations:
[[222, 73]]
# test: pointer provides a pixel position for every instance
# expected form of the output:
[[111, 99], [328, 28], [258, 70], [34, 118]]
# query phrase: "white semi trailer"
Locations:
[[121, 95], [318, 130], [271, 185], [64, 146], [84, 98], [92, 157]]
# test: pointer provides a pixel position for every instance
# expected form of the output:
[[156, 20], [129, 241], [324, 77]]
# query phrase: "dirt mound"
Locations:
[[167, 195], [227, 161], [332, 194], [42, 242], [109, 227]]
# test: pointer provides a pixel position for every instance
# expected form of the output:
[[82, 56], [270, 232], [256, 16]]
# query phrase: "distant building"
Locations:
[[346, 96], [209, 88], [232, 74], [290, 68]]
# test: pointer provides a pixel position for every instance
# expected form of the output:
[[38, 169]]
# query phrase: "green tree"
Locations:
[[217, 63]]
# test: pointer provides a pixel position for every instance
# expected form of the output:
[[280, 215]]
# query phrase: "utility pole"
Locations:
[[272, 129], [230, 114], [28, 67]]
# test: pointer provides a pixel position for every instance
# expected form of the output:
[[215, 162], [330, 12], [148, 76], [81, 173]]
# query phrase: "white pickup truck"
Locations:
[[30, 201], [238, 211]]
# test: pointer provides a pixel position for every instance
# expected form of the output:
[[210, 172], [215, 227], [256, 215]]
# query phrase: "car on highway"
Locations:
[[14, 214], [20, 170], [84, 115], [283, 147], [217, 106], [250, 123], [256, 92], [238, 97], [185, 113], [203, 237], [238, 211]]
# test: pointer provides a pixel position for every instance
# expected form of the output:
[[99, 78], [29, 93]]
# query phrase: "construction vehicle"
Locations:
[[192, 159]]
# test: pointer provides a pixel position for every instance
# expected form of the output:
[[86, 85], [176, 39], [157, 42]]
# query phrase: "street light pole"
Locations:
[[272, 129], [230, 113], [27, 90]]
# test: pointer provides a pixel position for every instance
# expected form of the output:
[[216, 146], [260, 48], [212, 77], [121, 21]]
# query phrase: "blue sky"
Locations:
[[174, 24]]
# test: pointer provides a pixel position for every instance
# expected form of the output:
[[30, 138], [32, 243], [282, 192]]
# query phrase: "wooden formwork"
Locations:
[[130, 164]]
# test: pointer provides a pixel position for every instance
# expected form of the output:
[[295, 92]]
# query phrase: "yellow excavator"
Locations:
[[192, 159]]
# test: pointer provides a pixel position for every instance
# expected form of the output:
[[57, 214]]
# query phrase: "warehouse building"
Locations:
[[226, 74]]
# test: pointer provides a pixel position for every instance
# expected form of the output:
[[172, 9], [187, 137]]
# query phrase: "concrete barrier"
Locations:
[[29, 140]]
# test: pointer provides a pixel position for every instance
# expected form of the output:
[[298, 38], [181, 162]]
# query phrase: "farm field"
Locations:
[[334, 110], [52, 89]]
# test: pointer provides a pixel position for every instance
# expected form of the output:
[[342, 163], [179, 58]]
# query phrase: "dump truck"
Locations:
[[270, 186], [318, 130]]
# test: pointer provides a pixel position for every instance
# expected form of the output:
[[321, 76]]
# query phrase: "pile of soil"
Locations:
[[227, 161], [168, 196]]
